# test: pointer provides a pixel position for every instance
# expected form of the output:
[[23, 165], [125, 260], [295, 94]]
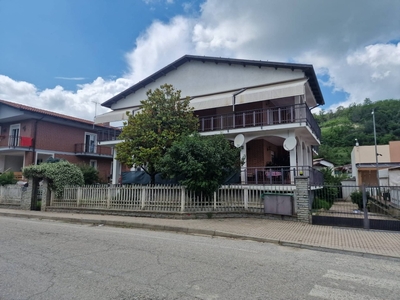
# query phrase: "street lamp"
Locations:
[[376, 147]]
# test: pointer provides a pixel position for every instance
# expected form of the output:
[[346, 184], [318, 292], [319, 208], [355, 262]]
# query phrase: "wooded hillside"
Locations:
[[341, 128]]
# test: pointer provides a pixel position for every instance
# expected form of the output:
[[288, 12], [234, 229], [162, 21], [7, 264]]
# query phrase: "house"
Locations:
[[30, 135], [366, 162], [264, 107], [320, 163]]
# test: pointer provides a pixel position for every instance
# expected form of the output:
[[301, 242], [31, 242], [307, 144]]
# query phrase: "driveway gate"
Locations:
[[375, 207]]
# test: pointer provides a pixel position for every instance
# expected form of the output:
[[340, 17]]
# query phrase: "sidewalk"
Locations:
[[286, 233]]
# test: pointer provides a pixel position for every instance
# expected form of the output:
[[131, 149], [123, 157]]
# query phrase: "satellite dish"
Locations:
[[289, 143], [239, 140]]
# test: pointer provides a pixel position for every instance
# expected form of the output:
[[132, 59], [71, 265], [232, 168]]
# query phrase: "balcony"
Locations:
[[294, 114], [280, 175], [14, 141], [92, 150]]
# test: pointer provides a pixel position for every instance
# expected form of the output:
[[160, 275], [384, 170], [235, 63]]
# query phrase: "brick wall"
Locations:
[[103, 164]]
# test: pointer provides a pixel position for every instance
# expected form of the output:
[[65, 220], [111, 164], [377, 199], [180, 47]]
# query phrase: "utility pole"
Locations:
[[376, 147]]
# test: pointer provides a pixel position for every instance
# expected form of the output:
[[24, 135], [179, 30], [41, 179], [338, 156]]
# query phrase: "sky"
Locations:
[[69, 56]]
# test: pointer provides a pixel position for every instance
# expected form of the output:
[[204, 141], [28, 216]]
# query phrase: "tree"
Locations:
[[201, 163], [147, 135]]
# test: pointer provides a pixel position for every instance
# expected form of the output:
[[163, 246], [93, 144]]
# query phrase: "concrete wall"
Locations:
[[394, 148]]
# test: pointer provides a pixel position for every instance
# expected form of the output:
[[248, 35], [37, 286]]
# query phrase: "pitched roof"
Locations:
[[307, 69], [49, 113]]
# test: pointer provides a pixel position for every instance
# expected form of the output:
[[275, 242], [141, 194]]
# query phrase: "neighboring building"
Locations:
[[364, 162], [264, 106], [30, 136], [320, 163]]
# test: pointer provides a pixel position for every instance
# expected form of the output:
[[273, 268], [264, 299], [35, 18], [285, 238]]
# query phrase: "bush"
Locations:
[[357, 198], [59, 174], [7, 178], [90, 174], [321, 204]]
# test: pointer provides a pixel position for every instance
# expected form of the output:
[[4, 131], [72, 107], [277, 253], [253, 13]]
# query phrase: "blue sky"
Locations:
[[64, 55]]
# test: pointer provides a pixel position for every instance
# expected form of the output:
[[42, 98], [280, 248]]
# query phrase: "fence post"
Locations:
[[143, 197], [27, 194], [183, 196], [365, 209], [302, 199], [108, 197], [246, 198], [78, 196], [215, 200], [52, 197], [45, 190]]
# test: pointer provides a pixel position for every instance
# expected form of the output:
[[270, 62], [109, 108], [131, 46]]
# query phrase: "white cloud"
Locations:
[[346, 41]]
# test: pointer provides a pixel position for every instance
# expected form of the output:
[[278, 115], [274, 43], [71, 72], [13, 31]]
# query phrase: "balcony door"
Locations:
[[13, 140], [90, 142]]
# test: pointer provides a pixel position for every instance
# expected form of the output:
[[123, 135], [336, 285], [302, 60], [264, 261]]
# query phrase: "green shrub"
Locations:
[[357, 198], [7, 178], [320, 203], [90, 174], [59, 174]]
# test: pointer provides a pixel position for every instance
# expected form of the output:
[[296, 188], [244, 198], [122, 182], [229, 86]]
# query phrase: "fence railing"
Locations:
[[10, 194], [88, 149], [281, 175], [381, 202], [162, 198], [299, 113]]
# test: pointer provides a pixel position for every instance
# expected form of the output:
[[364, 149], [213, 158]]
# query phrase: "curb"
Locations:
[[207, 232]]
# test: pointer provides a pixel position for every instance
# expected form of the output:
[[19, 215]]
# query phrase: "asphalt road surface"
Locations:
[[52, 260]]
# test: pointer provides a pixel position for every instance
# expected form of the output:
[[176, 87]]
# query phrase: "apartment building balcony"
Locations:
[[293, 116], [90, 150], [15, 141], [281, 175]]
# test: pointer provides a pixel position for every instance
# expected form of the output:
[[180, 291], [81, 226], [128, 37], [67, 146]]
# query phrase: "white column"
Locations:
[[243, 154], [116, 172]]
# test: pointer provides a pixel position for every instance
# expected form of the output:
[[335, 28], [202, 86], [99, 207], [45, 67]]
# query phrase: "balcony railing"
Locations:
[[299, 113], [95, 150], [281, 175], [13, 141]]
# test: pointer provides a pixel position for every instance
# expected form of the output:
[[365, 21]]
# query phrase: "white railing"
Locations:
[[162, 198], [10, 194]]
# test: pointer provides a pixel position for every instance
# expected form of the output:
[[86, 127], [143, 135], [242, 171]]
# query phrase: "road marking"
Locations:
[[337, 294], [361, 279]]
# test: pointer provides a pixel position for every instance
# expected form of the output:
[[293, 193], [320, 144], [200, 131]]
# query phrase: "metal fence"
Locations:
[[163, 198], [356, 206]]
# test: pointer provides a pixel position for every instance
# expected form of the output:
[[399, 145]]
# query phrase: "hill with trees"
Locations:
[[341, 128]]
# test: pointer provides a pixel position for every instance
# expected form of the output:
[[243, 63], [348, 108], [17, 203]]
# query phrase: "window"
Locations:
[[13, 140], [90, 142], [93, 163]]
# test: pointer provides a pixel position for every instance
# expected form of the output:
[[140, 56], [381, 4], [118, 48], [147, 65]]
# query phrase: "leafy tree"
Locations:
[[201, 163], [147, 135], [59, 174], [341, 128]]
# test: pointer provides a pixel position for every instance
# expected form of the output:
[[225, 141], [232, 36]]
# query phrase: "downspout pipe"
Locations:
[[34, 140], [234, 98]]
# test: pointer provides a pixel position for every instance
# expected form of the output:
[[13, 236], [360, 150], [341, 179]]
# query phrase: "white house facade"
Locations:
[[264, 106]]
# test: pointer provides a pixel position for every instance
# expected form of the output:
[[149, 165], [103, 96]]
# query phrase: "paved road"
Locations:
[[51, 260]]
